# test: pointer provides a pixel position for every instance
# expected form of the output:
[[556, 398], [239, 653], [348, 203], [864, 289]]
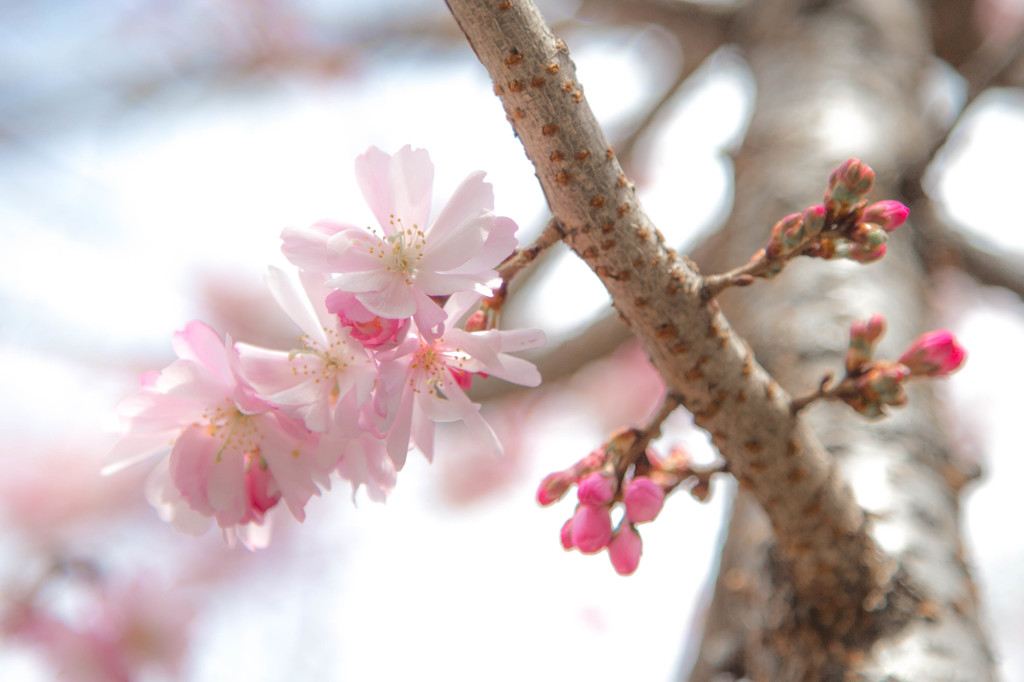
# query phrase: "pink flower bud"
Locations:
[[865, 254], [591, 528], [786, 236], [375, 332], [596, 490], [566, 535], [863, 335], [261, 491], [886, 214], [934, 354], [814, 221], [853, 176], [880, 385], [477, 322], [625, 549], [553, 487], [643, 499], [847, 186]]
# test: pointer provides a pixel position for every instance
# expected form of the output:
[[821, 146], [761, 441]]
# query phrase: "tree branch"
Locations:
[[941, 244], [834, 567]]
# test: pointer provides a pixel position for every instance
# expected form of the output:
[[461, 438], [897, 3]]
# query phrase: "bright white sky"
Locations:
[[416, 588]]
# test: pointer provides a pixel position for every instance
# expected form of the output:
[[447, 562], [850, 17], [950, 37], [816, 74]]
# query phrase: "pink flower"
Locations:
[[328, 380], [120, 630], [643, 499], [625, 549], [232, 457], [373, 331], [596, 489], [591, 528], [934, 354], [421, 387], [394, 273]]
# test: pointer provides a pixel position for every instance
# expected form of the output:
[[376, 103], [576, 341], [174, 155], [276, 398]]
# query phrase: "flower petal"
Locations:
[[395, 300], [307, 247], [398, 185]]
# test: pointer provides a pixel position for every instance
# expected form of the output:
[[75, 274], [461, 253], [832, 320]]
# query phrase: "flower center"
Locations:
[[226, 422], [406, 249]]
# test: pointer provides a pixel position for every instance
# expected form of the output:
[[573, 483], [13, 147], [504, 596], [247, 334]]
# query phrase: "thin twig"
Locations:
[[552, 234], [649, 432]]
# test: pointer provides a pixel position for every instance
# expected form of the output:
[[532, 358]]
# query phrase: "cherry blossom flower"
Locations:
[[326, 381], [424, 379], [232, 457], [395, 272], [364, 462]]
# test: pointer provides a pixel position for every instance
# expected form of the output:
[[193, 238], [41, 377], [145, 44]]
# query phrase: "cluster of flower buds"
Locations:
[[871, 385], [640, 492], [844, 227]]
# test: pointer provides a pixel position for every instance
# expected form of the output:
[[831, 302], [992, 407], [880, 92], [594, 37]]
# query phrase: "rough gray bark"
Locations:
[[817, 588]]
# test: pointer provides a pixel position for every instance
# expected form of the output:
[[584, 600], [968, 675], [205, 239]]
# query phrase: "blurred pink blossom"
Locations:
[[232, 455]]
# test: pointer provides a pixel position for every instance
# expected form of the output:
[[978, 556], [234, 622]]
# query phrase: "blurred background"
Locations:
[[150, 154]]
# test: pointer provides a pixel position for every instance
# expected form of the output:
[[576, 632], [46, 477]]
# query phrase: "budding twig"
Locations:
[[643, 436], [553, 233], [869, 385], [845, 226], [800, 402]]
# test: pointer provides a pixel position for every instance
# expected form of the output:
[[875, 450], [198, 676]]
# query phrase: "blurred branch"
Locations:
[[694, 23], [986, 68], [699, 29], [938, 242], [941, 244], [954, 29], [991, 64]]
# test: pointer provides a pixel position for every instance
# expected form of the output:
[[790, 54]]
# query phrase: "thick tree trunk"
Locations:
[[836, 80]]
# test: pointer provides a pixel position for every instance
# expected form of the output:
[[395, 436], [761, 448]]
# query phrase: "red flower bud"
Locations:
[[591, 528], [886, 214], [553, 487], [625, 549], [596, 490], [566, 535], [643, 499], [847, 186], [934, 354]]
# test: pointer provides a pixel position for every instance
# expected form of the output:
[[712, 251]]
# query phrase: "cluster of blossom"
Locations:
[[844, 227], [128, 629], [870, 385], [641, 490], [379, 362]]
